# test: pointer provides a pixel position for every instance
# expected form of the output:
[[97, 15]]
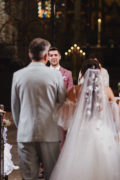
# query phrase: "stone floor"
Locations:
[[11, 136]]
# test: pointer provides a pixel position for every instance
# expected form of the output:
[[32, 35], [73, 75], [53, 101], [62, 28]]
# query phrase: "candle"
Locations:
[[75, 45], [99, 25], [84, 53], [69, 51]]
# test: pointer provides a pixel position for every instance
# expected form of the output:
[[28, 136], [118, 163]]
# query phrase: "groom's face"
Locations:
[[54, 57]]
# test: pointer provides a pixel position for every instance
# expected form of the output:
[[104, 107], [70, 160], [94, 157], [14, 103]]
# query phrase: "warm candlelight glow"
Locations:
[[75, 45], [76, 50], [99, 20], [99, 24]]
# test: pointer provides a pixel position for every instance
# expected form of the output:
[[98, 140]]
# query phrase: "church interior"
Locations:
[[65, 24], [79, 28]]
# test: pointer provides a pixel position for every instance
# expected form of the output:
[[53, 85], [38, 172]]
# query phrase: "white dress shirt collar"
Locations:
[[58, 67]]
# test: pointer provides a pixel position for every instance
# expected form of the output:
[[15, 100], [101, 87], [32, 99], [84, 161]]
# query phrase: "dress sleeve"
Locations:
[[63, 114]]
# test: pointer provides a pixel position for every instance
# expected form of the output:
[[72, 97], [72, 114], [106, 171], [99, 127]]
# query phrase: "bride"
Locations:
[[91, 150]]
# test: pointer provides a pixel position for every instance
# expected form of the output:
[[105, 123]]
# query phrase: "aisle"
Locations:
[[15, 175]]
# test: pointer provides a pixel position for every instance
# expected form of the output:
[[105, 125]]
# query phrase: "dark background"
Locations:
[[75, 22]]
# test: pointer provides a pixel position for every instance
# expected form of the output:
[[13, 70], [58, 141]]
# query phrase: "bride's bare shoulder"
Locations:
[[109, 93]]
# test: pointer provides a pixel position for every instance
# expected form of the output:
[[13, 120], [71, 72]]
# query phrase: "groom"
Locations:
[[54, 59], [35, 91]]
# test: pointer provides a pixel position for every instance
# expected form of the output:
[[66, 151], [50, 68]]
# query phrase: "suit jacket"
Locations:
[[35, 91], [67, 77]]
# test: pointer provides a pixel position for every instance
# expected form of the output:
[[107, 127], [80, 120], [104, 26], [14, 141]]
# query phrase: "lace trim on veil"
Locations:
[[92, 105]]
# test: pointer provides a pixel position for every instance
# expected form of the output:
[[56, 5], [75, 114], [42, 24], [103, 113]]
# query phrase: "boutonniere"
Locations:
[[64, 77]]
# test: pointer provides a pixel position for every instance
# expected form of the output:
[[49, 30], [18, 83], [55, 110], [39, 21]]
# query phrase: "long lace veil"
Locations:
[[92, 106]]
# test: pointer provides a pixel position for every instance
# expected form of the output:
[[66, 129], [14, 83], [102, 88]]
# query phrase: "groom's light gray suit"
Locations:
[[35, 91]]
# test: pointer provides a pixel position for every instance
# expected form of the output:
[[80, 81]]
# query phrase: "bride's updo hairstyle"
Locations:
[[89, 64]]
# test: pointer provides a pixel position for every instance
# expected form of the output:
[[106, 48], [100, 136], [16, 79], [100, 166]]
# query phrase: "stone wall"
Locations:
[[16, 17], [8, 30]]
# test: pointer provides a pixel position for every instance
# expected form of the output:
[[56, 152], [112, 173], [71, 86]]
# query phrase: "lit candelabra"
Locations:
[[75, 49], [77, 55]]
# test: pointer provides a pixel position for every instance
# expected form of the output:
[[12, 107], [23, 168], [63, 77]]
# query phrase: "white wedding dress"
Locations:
[[91, 150]]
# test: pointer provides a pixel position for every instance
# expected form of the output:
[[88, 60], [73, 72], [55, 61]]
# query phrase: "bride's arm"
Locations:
[[110, 94], [73, 93], [114, 107], [63, 114]]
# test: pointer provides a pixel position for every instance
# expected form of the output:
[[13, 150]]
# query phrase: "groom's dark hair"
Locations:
[[89, 63], [54, 49]]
